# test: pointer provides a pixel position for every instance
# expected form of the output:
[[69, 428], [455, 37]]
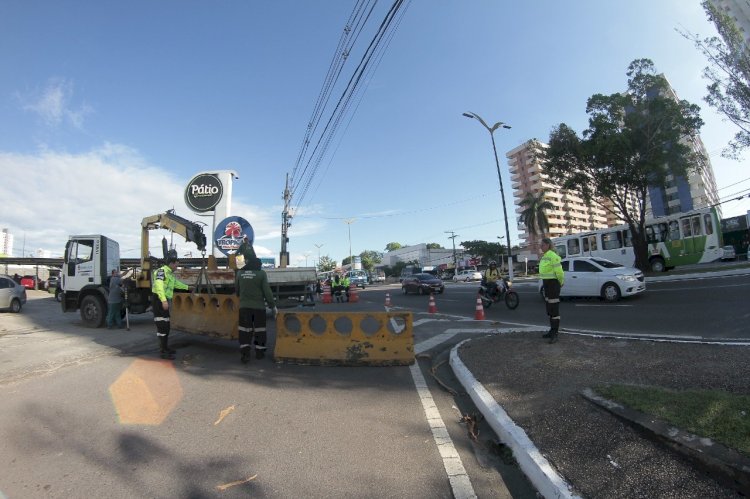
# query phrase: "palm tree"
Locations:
[[534, 215]]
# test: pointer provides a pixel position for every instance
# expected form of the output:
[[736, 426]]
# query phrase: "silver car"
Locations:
[[597, 277], [12, 294]]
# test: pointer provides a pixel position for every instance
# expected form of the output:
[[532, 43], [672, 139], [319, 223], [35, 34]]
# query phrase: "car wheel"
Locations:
[[610, 292], [58, 294], [15, 306]]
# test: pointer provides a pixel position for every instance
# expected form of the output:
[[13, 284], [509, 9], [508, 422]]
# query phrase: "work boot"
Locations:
[[548, 334], [245, 357], [553, 337], [164, 351]]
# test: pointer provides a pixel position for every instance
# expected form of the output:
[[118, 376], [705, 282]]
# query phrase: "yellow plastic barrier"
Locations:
[[345, 338], [210, 315]]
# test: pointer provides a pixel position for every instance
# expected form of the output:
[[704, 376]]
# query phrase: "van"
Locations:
[[358, 278]]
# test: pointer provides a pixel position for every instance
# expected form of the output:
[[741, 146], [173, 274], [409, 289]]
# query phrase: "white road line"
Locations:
[[454, 467]]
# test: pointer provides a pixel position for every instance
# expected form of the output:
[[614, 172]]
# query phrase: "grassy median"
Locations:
[[721, 416]]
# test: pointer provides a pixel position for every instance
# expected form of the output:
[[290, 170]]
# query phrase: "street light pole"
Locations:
[[502, 264], [453, 236], [319, 246], [497, 125], [349, 222]]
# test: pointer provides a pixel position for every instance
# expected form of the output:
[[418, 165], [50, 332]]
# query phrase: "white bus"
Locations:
[[673, 240]]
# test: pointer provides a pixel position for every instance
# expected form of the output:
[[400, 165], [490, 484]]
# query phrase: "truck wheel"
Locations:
[[92, 311]]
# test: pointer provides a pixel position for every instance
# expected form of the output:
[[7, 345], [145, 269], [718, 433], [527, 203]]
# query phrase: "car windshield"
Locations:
[[606, 263]]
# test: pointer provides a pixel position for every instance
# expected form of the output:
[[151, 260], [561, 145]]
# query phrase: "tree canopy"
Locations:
[[326, 264], [393, 246], [485, 250], [635, 139], [728, 74], [434, 246]]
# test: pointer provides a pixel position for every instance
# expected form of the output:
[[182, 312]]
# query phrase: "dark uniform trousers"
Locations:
[[552, 297], [252, 322], [161, 317]]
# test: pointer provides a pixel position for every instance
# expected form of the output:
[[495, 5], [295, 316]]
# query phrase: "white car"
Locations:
[[587, 276], [468, 275], [728, 253]]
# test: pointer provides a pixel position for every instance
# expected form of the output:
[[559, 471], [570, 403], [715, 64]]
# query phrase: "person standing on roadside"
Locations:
[[551, 273], [114, 300], [163, 285], [251, 286]]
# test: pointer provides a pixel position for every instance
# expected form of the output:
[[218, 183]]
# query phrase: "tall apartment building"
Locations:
[[6, 242], [570, 214], [697, 190]]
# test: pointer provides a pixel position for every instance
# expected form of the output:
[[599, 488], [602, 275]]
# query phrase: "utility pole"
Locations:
[[349, 222], [319, 246], [286, 222], [453, 236]]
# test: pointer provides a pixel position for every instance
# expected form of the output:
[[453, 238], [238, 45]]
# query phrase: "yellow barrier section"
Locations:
[[345, 338], [210, 315]]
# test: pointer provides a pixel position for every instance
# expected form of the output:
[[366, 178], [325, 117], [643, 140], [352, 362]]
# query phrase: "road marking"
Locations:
[[599, 305], [702, 290], [454, 467]]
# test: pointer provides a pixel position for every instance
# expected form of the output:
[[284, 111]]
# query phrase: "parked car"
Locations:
[[729, 253], [12, 294], [468, 275], [30, 282], [587, 276], [423, 284], [52, 282]]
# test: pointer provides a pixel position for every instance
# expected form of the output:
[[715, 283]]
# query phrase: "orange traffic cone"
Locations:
[[327, 294], [353, 294], [387, 299], [432, 308], [479, 314]]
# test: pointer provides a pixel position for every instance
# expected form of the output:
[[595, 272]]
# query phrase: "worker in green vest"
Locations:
[[551, 273]]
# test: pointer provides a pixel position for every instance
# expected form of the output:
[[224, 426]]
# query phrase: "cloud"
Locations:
[[108, 190], [53, 104]]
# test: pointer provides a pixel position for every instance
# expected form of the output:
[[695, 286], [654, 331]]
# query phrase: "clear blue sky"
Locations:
[[108, 108]]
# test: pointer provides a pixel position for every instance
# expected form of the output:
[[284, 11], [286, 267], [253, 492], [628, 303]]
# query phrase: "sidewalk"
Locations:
[[569, 446]]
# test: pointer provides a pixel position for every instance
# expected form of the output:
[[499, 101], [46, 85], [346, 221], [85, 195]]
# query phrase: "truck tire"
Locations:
[[92, 311]]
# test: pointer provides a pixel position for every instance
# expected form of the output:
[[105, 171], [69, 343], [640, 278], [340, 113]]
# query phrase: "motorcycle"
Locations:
[[503, 292]]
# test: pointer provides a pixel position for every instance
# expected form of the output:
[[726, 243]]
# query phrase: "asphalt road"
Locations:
[[92, 413], [709, 307]]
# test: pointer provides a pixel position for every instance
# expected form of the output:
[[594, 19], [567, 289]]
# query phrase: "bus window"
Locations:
[[697, 226], [651, 232], [709, 224], [612, 240], [663, 232], [628, 238], [573, 247], [686, 232], [674, 230]]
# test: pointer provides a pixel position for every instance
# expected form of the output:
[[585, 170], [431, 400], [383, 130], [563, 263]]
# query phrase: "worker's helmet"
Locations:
[[172, 256], [493, 263]]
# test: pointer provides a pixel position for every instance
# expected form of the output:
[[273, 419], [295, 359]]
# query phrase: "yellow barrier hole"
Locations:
[[343, 326], [370, 325], [201, 303], [396, 324], [318, 325], [292, 324], [188, 304], [228, 305], [214, 303]]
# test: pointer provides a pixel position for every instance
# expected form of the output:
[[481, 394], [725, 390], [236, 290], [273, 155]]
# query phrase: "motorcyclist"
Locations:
[[490, 278]]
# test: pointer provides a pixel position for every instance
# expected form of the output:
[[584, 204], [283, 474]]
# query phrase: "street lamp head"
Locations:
[[468, 115]]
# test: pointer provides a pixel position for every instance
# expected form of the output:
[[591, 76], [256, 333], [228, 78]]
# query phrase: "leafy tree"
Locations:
[[393, 246], [729, 74], [434, 246], [635, 139], [370, 259], [326, 264], [485, 250], [534, 214]]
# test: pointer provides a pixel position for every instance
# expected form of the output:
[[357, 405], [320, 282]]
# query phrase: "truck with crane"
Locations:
[[90, 258]]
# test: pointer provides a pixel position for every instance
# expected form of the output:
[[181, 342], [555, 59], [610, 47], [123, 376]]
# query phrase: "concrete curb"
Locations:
[[535, 466], [724, 464]]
